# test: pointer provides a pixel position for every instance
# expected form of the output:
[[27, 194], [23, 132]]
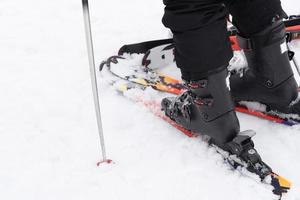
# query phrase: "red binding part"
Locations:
[[293, 28], [234, 44], [258, 114]]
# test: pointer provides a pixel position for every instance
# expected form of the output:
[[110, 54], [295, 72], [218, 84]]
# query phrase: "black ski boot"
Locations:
[[269, 78], [206, 107]]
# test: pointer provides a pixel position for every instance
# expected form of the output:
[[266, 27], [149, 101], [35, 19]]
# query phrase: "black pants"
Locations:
[[200, 30]]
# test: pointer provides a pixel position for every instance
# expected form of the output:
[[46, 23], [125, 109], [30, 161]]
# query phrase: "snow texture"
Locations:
[[49, 144]]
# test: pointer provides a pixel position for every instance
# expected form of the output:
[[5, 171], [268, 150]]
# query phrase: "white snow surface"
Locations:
[[49, 144]]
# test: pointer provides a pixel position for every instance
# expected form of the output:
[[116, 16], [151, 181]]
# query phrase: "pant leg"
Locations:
[[200, 35], [253, 16]]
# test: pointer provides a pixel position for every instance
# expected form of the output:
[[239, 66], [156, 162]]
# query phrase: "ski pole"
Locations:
[[90, 48]]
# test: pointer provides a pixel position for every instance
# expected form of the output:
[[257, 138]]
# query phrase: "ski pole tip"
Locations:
[[108, 161]]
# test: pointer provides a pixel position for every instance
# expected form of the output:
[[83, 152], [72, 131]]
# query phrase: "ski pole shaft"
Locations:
[[90, 48], [296, 65], [294, 60]]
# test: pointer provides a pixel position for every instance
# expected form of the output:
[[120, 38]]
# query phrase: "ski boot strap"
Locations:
[[272, 34], [193, 85], [197, 90]]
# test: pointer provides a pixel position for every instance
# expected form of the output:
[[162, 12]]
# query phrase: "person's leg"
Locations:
[[269, 79], [202, 52], [200, 36], [253, 16]]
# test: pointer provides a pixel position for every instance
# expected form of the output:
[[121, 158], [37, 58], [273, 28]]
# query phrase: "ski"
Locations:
[[160, 53], [135, 92]]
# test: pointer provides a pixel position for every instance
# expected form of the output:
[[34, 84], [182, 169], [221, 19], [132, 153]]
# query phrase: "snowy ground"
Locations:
[[48, 137]]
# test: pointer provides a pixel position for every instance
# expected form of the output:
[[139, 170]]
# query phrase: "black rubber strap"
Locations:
[[143, 47], [292, 22]]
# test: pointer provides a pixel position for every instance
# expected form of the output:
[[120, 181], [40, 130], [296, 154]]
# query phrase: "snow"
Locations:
[[49, 144]]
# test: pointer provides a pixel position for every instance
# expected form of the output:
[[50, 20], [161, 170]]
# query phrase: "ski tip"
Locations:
[[104, 162], [280, 184]]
